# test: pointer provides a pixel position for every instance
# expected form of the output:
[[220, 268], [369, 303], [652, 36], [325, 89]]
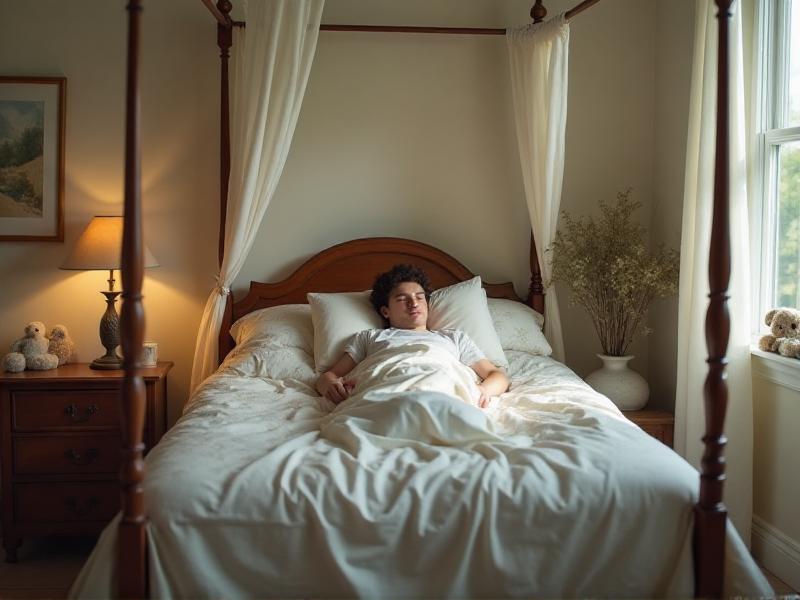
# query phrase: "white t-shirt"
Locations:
[[454, 341]]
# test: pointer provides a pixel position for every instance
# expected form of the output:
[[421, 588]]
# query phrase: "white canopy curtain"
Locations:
[[694, 287], [272, 62], [538, 56]]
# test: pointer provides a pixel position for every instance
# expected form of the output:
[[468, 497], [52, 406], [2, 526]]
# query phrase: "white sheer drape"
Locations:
[[538, 56], [271, 66], [693, 298]]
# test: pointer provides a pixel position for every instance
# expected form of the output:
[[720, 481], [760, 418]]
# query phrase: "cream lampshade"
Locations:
[[99, 248]]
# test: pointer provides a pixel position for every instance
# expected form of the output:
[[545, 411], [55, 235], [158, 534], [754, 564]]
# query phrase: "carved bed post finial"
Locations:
[[538, 12], [710, 512]]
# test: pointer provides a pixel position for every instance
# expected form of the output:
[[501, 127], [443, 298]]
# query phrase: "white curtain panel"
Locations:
[[538, 56], [272, 62], [694, 287]]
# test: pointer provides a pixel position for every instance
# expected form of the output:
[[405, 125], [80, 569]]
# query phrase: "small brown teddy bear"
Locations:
[[30, 352], [784, 323], [61, 344]]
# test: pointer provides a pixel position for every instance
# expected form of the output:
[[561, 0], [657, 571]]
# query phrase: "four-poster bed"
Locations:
[[361, 260]]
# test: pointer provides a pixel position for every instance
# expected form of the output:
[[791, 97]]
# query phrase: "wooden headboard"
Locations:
[[352, 266]]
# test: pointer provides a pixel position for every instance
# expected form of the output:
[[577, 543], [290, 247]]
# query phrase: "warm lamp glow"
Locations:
[[100, 247]]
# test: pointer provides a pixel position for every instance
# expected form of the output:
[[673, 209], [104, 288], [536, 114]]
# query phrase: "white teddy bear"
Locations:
[[31, 351]]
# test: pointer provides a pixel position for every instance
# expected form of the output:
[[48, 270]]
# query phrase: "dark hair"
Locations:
[[386, 282]]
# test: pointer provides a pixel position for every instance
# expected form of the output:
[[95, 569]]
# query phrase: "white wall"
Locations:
[[84, 40], [776, 488], [399, 135], [413, 136], [673, 68]]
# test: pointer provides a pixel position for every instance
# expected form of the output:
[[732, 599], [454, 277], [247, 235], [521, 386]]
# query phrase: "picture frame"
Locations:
[[32, 123]]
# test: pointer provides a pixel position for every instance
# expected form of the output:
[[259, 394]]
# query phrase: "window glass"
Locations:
[[777, 162], [788, 259], [794, 66]]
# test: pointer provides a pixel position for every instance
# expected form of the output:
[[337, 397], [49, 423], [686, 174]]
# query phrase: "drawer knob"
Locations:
[[75, 507], [73, 413], [84, 459]]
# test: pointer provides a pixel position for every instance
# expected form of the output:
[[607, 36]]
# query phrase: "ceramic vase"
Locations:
[[624, 387]]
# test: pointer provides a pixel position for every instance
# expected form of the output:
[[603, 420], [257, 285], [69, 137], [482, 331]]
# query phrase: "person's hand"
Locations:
[[484, 398], [336, 389]]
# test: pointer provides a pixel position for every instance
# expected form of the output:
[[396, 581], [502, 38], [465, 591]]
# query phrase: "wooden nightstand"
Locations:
[[658, 423], [60, 448]]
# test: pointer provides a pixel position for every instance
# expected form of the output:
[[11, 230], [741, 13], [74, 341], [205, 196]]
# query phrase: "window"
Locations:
[[778, 156]]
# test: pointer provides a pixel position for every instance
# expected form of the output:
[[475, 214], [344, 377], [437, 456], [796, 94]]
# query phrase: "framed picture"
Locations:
[[32, 158]]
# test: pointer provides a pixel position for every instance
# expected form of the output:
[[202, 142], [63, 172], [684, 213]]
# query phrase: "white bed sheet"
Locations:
[[259, 491]]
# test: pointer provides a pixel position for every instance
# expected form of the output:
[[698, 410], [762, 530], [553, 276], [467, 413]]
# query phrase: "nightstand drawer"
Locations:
[[66, 454], [60, 450], [56, 502], [657, 423], [662, 432], [34, 410]]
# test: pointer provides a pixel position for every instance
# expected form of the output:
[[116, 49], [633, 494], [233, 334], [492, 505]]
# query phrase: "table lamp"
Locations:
[[100, 248]]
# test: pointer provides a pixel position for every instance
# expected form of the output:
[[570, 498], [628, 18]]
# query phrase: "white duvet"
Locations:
[[408, 490]]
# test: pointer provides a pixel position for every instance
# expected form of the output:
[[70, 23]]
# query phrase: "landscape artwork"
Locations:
[[21, 173], [31, 158]]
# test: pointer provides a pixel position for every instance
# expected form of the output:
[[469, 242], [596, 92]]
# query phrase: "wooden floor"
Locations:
[[48, 566]]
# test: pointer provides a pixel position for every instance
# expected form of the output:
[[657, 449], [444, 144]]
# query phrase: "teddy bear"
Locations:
[[30, 352], [784, 323], [61, 344]]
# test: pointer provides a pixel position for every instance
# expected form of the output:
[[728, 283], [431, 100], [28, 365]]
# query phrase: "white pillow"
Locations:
[[275, 342], [463, 306], [518, 326], [286, 325], [271, 362], [336, 317]]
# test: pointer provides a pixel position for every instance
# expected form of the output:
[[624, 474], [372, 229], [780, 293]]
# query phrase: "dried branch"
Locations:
[[610, 272]]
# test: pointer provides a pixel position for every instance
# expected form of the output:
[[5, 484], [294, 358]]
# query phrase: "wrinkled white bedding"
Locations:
[[260, 490]]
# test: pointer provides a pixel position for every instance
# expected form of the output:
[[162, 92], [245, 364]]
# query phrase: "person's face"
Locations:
[[407, 308]]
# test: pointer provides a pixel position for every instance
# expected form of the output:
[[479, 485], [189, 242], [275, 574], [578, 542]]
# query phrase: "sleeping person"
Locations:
[[401, 296]]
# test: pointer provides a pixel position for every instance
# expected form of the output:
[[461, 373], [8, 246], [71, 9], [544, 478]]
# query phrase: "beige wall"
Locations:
[[399, 135], [674, 45], [777, 446], [84, 40], [776, 487], [413, 136]]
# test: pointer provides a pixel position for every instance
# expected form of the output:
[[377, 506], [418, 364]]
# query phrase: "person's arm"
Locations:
[[494, 382], [332, 385]]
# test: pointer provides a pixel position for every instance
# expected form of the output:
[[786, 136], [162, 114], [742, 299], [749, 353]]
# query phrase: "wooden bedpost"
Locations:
[[536, 289], [224, 41], [132, 546], [710, 513]]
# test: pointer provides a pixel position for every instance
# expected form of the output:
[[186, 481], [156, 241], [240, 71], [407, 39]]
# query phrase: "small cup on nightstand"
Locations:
[[150, 354]]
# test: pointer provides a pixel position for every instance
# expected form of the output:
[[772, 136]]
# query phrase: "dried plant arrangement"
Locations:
[[610, 271]]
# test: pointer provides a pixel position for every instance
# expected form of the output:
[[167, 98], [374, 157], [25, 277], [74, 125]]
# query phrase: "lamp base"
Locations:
[[106, 363], [109, 335]]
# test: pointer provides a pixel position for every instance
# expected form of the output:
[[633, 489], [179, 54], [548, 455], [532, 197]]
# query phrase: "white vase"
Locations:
[[624, 387]]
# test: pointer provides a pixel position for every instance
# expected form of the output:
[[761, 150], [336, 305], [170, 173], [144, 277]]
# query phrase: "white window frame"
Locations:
[[772, 93]]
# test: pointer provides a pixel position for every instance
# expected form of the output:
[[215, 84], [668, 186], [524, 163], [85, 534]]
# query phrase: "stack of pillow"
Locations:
[[279, 342]]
